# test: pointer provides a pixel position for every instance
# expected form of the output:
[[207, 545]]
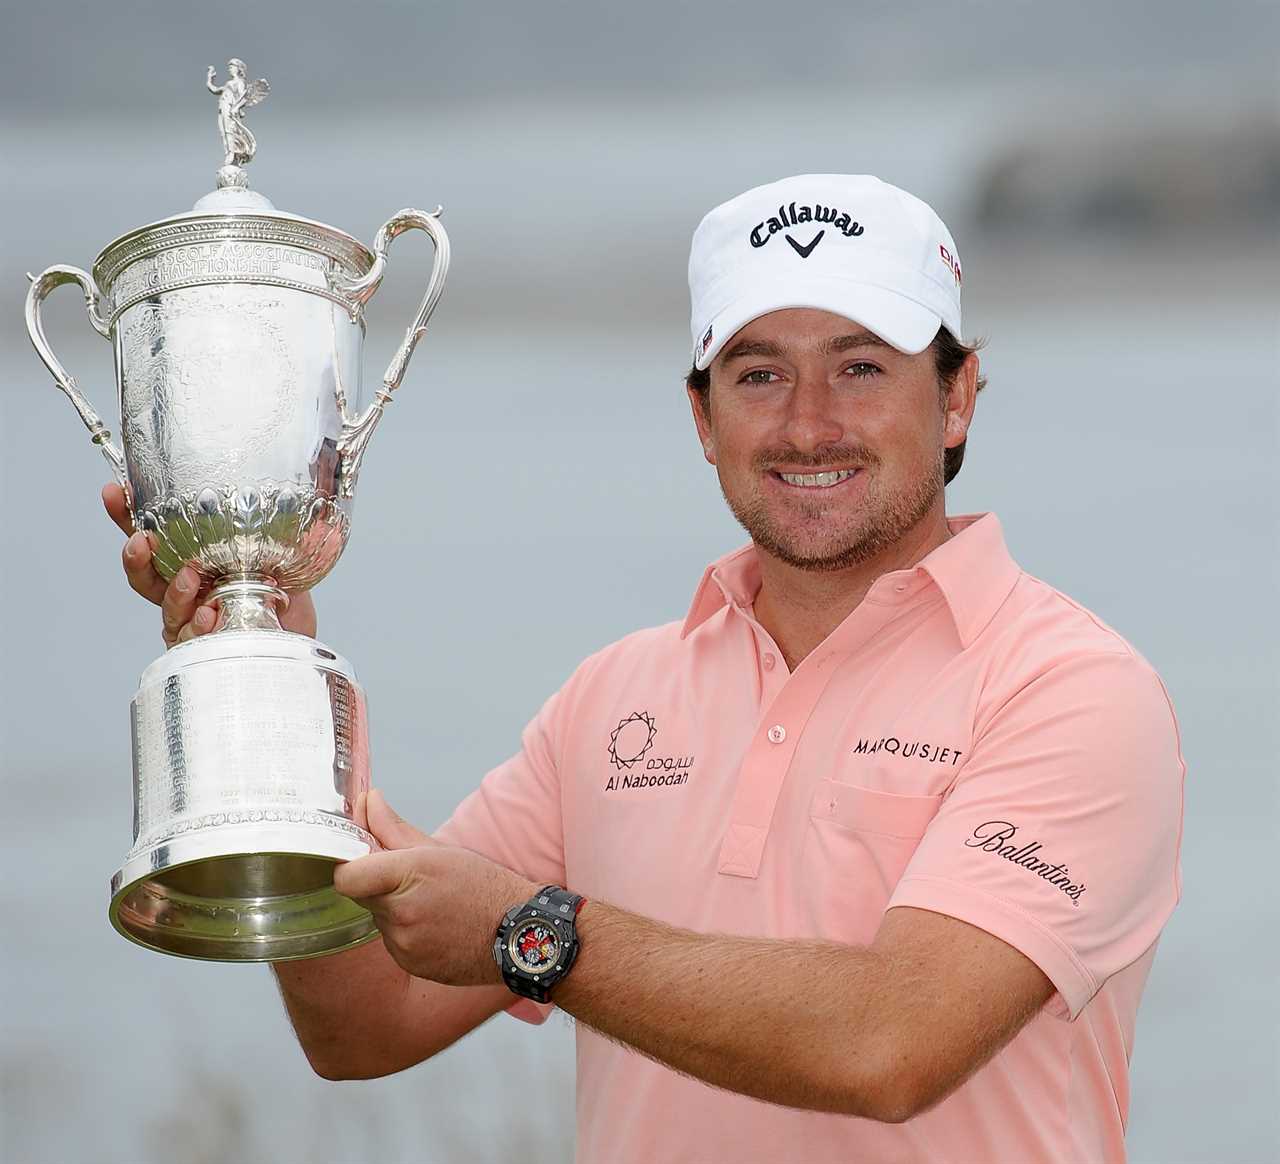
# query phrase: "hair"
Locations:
[[949, 354]]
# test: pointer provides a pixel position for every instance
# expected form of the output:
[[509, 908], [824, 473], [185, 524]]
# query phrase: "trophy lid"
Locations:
[[232, 234], [232, 200]]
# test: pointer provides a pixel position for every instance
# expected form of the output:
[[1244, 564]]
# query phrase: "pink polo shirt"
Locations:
[[968, 741]]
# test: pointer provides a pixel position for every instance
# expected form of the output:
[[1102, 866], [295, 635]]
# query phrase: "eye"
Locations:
[[758, 376], [861, 369]]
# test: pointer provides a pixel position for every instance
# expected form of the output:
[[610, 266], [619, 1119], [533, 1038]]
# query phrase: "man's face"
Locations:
[[802, 392]]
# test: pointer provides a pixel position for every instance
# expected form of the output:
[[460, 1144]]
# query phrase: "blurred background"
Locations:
[[1111, 173]]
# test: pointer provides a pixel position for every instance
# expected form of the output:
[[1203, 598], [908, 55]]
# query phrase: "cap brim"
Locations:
[[902, 322]]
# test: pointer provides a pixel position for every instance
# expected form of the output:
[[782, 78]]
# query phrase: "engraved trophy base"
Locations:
[[250, 751]]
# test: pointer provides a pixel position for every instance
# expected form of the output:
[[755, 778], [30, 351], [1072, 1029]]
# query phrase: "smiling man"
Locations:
[[867, 857]]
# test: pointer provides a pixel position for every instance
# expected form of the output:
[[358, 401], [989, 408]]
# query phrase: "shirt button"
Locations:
[[777, 733], [769, 661]]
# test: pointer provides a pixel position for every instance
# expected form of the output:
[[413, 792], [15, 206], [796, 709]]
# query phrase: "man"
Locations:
[[878, 840]]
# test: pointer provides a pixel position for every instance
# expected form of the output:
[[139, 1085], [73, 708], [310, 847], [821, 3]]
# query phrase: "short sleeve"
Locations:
[[514, 816], [1061, 834]]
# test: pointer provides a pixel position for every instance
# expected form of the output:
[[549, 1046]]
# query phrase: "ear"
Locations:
[[962, 396], [703, 424]]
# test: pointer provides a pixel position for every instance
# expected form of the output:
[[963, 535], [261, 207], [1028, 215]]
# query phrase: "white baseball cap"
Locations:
[[845, 243]]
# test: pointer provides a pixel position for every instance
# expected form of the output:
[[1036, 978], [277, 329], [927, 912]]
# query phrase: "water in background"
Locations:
[[536, 492]]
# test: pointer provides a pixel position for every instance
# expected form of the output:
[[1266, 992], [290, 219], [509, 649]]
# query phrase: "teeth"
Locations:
[[817, 479]]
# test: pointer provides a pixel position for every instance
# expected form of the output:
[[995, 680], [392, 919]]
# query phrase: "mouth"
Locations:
[[824, 480]]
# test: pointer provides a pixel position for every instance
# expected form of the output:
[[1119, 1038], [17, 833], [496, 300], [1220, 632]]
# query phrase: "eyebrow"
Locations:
[[840, 343], [863, 339]]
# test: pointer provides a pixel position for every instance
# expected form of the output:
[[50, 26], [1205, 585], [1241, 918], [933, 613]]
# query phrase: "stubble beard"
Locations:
[[881, 522]]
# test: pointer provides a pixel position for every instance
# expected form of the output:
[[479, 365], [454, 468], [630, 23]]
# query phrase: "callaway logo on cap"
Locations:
[[846, 243]]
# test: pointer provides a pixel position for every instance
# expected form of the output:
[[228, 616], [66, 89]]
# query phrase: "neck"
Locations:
[[800, 608]]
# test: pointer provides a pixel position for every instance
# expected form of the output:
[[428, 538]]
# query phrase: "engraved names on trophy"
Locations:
[[204, 761], [344, 713]]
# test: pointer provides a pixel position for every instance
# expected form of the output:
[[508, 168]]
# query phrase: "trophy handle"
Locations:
[[40, 287], [356, 433]]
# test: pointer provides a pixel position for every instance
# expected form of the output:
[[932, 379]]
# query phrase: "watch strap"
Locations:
[[559, 902]]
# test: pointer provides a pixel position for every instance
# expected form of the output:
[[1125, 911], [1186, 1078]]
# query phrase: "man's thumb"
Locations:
[[387, 825]]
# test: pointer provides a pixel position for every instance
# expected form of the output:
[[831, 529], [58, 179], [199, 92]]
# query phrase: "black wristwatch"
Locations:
[[537, 942]]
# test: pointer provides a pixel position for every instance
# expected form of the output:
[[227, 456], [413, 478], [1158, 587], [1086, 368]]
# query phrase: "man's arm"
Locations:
[[882, 1031], [358, 1015]]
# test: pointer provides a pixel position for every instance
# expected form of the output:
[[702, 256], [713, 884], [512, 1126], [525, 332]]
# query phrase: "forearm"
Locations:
[[791, 1022], [358, 1015], [344, 1007]]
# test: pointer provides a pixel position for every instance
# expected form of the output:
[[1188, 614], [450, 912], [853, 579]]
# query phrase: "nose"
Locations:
[[811, 420]]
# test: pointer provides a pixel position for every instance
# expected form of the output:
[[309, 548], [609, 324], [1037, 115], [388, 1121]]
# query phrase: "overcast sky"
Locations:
[[63, 58]]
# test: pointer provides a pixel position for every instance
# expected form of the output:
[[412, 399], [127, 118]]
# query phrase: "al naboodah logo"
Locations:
[[629, 745], [631, 740]]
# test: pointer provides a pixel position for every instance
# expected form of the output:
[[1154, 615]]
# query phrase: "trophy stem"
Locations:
[[250, 604]]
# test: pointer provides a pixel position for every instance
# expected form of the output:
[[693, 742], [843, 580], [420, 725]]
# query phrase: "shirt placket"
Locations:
[[778, 734]]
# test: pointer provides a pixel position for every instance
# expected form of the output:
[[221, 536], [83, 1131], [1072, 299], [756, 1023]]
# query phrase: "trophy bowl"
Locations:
[[237, 332]]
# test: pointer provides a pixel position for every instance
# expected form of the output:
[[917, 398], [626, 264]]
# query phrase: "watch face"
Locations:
[[534, 947]]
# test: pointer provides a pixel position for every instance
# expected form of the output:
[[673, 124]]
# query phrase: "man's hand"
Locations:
[[438, 906], [182, 602]]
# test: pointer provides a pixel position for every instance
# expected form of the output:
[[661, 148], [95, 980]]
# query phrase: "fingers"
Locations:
[[179, 601], [140, 570], [184, 616], [136, 556], [205, 619], [392, 831], [359, 809], [117, 507], [371, 876]]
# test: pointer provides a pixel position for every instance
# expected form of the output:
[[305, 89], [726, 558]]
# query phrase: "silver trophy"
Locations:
[[237, 333]]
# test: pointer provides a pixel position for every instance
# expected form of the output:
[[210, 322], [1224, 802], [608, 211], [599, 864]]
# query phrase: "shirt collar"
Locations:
[[972, 569], [733, 580]]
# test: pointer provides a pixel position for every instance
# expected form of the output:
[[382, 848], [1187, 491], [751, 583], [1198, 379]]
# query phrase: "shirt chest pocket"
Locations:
[[857, 844]]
